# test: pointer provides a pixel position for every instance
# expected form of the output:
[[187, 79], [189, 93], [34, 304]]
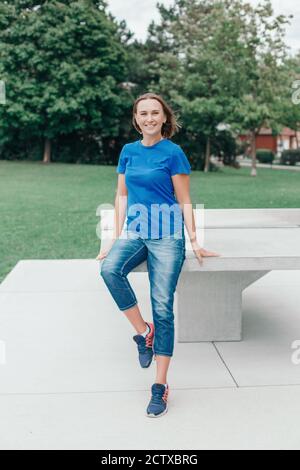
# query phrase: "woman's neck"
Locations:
[[148, 141]]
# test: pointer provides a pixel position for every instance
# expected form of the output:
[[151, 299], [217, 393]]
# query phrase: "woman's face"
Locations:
[[150, 117]]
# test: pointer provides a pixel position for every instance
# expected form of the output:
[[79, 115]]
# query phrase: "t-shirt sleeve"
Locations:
[[179, 162], [122, 160]]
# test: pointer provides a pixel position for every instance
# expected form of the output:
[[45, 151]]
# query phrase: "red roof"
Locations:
[[284, 131]]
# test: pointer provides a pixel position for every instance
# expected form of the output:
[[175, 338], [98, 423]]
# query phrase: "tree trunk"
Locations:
[[47, 151], [207, 155], [253, 153]]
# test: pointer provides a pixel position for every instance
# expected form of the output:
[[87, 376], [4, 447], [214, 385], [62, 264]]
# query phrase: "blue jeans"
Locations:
[[165, 257]]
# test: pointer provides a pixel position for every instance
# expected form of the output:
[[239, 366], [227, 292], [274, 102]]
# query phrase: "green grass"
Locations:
[[49, 211]]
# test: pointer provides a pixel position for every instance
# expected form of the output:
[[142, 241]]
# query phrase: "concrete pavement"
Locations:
[[70, 377]]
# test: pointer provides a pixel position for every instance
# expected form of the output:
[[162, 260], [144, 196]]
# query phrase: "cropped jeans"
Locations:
[[165, 257]]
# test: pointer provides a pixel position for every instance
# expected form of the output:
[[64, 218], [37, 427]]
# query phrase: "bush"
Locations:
[[16, 149], [71, 148], [226, 148], [265, 156], [198, 163], [290, 157]]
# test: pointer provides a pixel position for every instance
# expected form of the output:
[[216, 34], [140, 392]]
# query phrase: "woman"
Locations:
[[150, 170]]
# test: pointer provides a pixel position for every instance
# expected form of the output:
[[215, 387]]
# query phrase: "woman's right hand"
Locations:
[[104, 251]]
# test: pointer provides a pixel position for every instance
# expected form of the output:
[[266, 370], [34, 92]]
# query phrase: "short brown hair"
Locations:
[[169, 127]]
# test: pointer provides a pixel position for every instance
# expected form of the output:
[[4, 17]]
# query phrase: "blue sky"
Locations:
[[139, 13]]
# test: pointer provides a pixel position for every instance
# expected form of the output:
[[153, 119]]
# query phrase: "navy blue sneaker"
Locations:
[[145, 346], [158, 404]]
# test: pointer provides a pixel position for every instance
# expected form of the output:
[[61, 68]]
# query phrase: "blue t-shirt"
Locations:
[[152, 208]]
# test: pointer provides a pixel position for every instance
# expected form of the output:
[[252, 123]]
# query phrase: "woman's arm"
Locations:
[[119, 216], [181, 183], [120, 206]]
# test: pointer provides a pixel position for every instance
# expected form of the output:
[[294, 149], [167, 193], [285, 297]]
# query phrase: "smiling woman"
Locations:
[[154, 118], [151, 172]]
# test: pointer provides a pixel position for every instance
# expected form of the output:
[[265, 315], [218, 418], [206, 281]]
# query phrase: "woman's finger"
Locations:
[[210, 253], [198, 256]]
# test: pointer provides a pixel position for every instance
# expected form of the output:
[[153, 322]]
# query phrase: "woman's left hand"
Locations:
[[201, 252]]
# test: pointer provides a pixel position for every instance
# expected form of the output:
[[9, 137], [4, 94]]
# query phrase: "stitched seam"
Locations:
[[127, 261], [131, 305], [129, 288], [162, 353]]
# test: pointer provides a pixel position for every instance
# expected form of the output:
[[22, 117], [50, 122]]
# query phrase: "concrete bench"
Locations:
[[251, 242]]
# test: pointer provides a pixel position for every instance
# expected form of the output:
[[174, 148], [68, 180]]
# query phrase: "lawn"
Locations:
[[49, 211]]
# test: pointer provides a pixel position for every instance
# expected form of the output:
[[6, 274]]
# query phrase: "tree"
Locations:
[[218, 63], [290, 106], [266, 84], [62, 62]]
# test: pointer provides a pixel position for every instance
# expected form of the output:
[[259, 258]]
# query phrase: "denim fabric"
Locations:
[[165, 257]]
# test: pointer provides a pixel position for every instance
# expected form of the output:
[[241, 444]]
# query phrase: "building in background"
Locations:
[[286, 140]]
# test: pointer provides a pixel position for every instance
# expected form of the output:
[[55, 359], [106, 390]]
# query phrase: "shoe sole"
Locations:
[[146, 367], [151, 415], [152, 360]]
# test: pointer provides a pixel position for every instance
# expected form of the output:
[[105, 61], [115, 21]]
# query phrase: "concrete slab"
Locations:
[[244, 418], [270, 328], [246, 218], [81, 342], [52, 276], [243, 249], [64, 384], [222, 218]]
